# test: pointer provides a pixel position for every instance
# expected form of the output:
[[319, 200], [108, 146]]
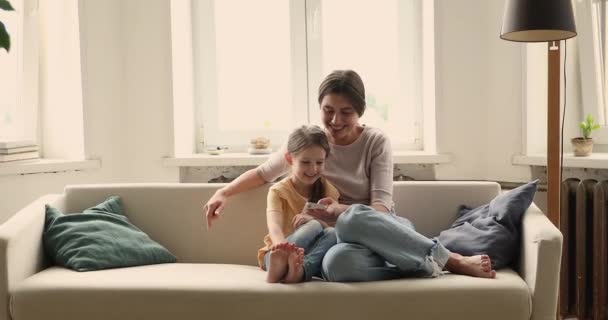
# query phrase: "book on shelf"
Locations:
[[18, 150], [19, 156], [9, 144]]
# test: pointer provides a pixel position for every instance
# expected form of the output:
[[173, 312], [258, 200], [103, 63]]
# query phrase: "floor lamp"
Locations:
[[545, 21]]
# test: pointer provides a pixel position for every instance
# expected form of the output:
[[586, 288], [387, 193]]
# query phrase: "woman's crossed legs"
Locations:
[[381, 246]]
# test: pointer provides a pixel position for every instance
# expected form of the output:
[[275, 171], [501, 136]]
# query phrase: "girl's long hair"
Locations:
[[304, 137]]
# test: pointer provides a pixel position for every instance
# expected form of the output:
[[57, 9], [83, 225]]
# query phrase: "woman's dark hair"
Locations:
[[346, 83], [304, 137]]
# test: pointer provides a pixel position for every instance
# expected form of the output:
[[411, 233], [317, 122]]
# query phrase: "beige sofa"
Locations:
[[217, 276]]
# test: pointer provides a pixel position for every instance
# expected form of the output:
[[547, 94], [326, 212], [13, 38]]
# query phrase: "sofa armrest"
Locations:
[[540, 262], [21, 249]]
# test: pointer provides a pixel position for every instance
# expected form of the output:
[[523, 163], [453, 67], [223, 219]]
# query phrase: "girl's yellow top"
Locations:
[[283, 198]]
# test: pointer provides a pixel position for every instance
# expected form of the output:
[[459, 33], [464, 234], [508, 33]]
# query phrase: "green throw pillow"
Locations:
[[100, 237]]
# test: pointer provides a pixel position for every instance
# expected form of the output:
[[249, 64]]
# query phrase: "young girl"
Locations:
[[296, 242]]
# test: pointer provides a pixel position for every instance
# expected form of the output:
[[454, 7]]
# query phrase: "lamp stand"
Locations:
[[553, 134], [553, 139]]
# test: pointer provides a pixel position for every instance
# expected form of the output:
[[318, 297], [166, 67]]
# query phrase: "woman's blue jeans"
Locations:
[[315, 240], [375, 245]]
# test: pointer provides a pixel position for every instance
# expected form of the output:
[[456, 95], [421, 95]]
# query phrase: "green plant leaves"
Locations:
[[5, 5], [5, 40], [588, 126]]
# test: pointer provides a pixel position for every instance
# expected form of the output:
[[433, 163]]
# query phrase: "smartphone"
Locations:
[[312, 205]]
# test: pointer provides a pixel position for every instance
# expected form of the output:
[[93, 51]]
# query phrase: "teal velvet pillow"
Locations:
[[100, 237]]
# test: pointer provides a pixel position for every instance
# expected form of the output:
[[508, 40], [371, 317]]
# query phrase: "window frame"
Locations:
[[190, 102], [416, 63], [205, 77], [593, 84]]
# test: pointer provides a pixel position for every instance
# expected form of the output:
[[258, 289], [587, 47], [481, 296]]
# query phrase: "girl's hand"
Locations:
[[300, 219], [330, 215], [213, 208]]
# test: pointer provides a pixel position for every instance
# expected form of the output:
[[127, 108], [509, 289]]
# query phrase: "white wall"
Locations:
[[126, 83], [481, 99], [126, 98], [479, 93], [461, 60]]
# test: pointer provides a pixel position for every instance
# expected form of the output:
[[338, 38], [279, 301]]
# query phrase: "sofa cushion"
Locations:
[[223, 291], [100, 237], [493, 229]]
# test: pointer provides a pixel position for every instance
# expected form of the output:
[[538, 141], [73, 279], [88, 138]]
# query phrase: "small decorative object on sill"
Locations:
[[583, 146], [14, 150], [215, 150], [220, 179], [402, 177], [260, 145]]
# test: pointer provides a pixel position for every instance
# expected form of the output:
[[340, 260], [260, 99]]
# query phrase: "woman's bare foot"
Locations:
[[296, 266], [277, 262], [476, 266]]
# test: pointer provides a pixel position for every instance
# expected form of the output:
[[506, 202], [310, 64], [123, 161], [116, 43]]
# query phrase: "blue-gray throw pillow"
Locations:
[[99, 238], [493, 229]]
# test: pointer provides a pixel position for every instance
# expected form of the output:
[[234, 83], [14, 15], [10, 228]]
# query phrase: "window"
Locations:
[[11, 120], [19, 66], [245, 70], [592, 42], [602, 14], [256, 70]]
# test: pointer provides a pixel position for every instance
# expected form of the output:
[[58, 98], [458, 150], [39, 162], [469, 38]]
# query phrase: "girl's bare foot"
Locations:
[[476, 266], [277, 262], [296, 266]]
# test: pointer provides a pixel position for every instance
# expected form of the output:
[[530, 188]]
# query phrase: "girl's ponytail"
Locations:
[[318, 191]]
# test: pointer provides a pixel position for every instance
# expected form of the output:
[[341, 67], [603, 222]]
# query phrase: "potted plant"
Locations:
[[583, 146], [5, 40]]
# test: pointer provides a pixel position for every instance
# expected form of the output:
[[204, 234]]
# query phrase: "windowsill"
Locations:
[[594, 161], [46, 166], [246, 159]]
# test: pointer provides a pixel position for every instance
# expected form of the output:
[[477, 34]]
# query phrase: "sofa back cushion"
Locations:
[[433, 205], [172, 213]]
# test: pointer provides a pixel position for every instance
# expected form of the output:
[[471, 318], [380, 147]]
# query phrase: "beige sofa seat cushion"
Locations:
[[222, 291]]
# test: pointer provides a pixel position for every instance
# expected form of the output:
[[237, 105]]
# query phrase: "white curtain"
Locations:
[[591, 62]]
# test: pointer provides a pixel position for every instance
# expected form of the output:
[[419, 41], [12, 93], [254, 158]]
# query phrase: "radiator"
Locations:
[[584, 275]]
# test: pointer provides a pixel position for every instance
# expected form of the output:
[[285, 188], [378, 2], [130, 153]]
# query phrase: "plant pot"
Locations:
[[582, 147]]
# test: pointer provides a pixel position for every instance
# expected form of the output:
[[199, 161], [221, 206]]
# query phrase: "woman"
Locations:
[[360, 166]]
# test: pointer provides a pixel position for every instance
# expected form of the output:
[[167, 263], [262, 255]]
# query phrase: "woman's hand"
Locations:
[[333, 206], [300, 219], [214, 207]]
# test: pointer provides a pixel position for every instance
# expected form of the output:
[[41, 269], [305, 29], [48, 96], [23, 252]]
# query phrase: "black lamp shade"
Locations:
[[538, 20]]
